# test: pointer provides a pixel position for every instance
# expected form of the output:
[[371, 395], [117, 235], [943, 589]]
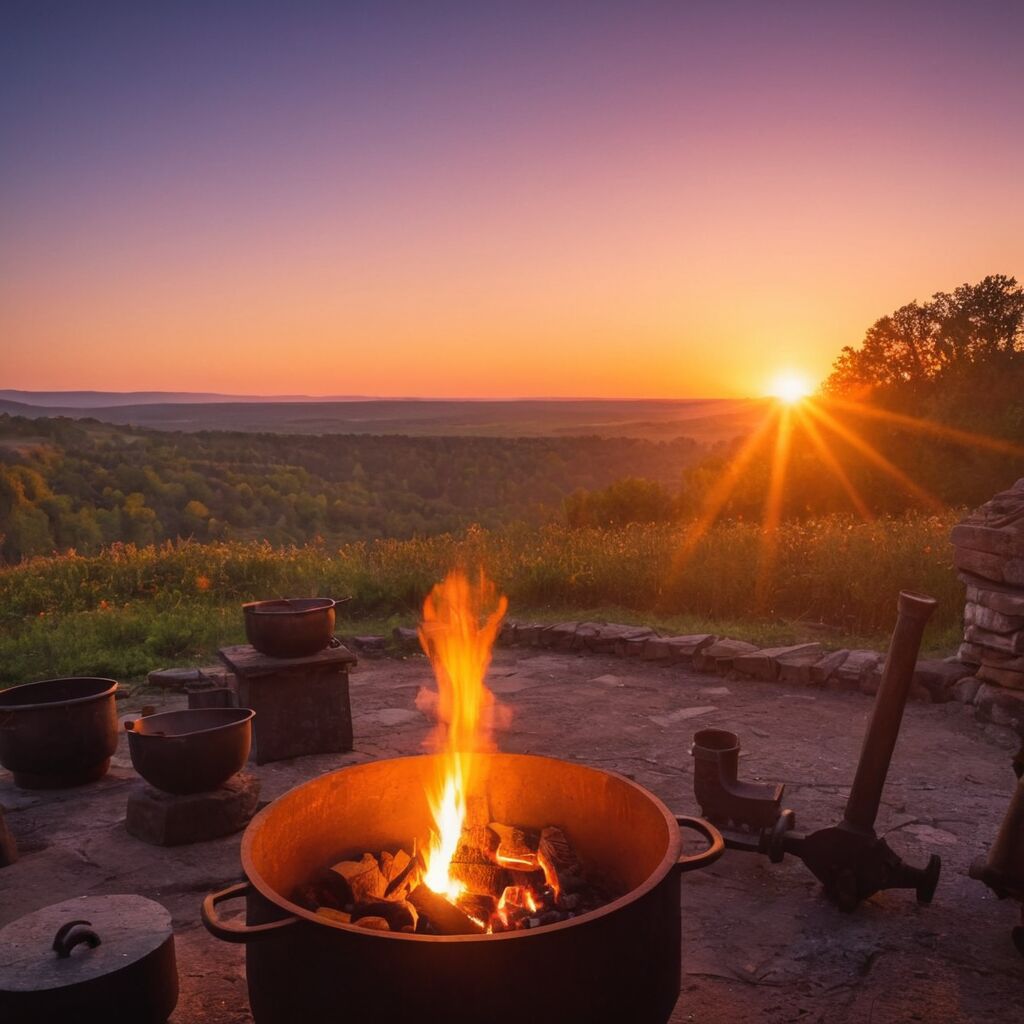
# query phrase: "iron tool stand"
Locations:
[[849, 858]]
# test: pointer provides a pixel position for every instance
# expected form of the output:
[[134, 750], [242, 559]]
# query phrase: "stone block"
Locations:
[[764, 664], [1007, 643], [966, 690], [371, 646], [1003, 541], [684, 648], [1004, 599], [585, 632], [796, 669], [1000, 706], [937, 678], [980, 563], [856, 668], [169, 819], [1010, 678], [656, 649], [719, 656], [825, 668], [562, 636], [970, 654], [989, 619], [609, 638], [409, 639], [529, 634]]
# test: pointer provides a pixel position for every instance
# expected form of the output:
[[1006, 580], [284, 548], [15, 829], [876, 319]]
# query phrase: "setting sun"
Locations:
[[790, 388]]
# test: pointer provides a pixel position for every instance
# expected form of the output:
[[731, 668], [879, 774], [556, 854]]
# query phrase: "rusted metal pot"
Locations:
[[58, 732], [619, 963], [290, 627], [190, 751]]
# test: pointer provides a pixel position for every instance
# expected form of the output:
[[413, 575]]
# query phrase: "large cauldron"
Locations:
[[620, 963]]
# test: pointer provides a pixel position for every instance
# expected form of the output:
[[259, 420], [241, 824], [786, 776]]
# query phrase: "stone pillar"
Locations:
[[989, 552]]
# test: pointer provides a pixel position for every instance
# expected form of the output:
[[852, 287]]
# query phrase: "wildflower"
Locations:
[[202, 583]]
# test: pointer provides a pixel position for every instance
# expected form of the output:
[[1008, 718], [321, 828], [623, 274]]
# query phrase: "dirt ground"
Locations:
[[760, 942]]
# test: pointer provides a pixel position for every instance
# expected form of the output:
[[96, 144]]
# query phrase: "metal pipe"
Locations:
[[913, 611]]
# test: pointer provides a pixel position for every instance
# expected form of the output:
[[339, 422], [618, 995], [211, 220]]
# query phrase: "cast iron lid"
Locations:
[[128, 928]]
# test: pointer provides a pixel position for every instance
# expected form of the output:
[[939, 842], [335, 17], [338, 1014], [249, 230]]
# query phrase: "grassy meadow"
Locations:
[[129, 610]]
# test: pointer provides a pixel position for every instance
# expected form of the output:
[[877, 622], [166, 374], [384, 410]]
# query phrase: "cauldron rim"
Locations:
[[655, 878], [38, 705]]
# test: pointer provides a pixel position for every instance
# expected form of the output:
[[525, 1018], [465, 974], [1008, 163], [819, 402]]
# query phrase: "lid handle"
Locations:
[[72, 934]]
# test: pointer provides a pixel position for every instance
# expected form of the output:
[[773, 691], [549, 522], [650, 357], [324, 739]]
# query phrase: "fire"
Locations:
[[460, 624]]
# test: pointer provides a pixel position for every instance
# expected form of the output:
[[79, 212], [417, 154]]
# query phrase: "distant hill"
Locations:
[[114, 399], [705, 420]]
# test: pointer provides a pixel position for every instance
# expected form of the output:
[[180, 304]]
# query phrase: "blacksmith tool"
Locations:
[[849, 858]]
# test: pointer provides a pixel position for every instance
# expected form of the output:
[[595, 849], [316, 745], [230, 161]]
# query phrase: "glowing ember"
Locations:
[[460, 624]]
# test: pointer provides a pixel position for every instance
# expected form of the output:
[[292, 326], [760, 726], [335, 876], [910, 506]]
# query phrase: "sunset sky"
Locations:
[[553, 199]]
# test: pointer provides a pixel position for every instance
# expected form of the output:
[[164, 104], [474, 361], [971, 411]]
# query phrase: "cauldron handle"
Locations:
[[705, 857], [237, 932]]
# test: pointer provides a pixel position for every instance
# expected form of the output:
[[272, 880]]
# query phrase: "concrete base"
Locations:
[[168, 819]]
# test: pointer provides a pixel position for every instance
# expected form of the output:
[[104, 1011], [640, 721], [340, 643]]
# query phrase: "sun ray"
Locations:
[[873, 455], [773, 505], [963, 437], [720, 491], [835, 467]]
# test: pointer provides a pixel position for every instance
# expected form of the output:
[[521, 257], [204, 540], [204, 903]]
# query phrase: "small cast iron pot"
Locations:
[[290, 627], [190, 751], [58, 732], [618, 963]]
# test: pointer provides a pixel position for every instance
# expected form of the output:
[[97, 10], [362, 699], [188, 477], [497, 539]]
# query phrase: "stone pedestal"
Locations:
[[301, 704], [169, 819]]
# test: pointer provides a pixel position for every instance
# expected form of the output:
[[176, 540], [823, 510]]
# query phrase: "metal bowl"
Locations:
[[190, 751], [290, 627], [58, 732]]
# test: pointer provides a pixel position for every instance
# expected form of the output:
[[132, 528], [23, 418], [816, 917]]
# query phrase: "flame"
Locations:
[[460, 624]]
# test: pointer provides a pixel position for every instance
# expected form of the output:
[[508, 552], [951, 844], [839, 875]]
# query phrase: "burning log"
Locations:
[[478, 844], [363, 879], [517, 848], [478, 907], [400, 915], [398, 873], [559, 862], [480, 879], [445, 917]]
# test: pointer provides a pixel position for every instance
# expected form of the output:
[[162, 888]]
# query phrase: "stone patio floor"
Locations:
[[760, 941]]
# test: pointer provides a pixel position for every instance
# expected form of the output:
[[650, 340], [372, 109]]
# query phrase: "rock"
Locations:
[[173, 678], [937, 678], [981, 563], [1012, 643], [988, 618], [856, 668], [966, 690], [682, 649], [681, 715], [529, 633], [656, 648], [611, 637], [1010, 678], [1001, 707], [585, 632], [1008, 600], [370, 645], [407, 637], [764, 664], [561, 636], [1002, 541], [167, 819], [795, 670], [825, 668], [718, 657], [970, 654], [507, 633]]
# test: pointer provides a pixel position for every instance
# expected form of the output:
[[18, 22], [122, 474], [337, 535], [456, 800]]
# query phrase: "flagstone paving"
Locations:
[[760, 941]]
